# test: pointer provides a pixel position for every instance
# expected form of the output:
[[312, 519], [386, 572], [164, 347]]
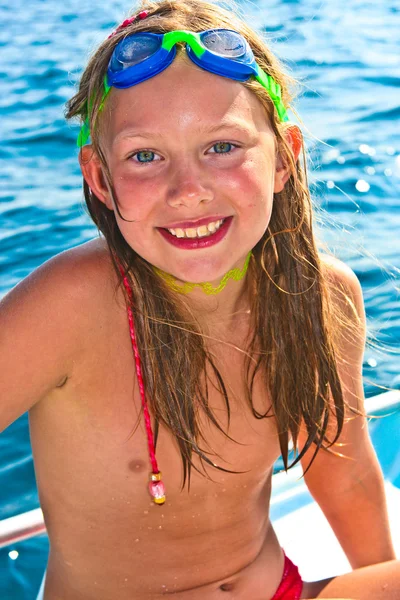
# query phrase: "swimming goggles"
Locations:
[[143, 55]]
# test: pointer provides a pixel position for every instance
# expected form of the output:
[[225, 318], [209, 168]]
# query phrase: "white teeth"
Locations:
[[202, 231], [191, 233]]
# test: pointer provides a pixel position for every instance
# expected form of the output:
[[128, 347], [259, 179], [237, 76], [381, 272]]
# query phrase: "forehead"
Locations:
[[180, 99]]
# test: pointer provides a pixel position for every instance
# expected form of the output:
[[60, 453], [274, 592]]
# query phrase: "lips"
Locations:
[[200, 242]]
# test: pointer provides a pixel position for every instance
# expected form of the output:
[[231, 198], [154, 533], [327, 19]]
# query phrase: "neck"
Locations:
[[217, 304], [208, 288]]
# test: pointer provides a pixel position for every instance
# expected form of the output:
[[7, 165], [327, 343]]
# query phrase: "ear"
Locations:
[[294, 138], [92, 171]]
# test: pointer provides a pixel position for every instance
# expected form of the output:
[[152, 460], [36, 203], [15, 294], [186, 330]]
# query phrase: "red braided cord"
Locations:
[[150, 437]]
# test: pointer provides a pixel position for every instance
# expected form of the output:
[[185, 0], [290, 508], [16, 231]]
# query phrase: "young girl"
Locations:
[[154, 466]]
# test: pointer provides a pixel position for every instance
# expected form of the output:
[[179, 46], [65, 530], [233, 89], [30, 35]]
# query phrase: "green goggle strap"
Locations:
[[274, 91], [84, 133]]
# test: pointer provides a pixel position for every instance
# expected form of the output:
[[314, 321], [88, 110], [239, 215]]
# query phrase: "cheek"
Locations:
[[134, 197], [136, 203], [255, 201], [254, 184]]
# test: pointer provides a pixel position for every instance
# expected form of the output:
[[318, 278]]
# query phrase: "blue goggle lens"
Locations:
[[134, 50], [224, 43]]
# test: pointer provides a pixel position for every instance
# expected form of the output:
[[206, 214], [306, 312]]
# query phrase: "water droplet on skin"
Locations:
[[160, 527], [146, 512], [126, 579], [137, 540]]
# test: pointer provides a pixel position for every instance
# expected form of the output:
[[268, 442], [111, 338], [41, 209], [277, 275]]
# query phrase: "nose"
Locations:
[[188, 187]]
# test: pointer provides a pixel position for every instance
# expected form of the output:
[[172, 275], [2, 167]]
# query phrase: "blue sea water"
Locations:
[[345, 54]]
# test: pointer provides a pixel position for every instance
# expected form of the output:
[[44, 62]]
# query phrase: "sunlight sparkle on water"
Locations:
[[331, 154], [365, 149], [13, 554], [362, 185]]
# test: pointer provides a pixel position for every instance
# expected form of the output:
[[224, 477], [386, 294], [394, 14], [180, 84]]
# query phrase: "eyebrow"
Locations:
[[237, 126]]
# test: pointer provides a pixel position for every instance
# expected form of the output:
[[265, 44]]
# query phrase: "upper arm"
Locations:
[[41, 325], [354, 442]]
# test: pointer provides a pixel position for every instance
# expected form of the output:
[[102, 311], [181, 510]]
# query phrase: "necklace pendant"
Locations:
[[157, 488]]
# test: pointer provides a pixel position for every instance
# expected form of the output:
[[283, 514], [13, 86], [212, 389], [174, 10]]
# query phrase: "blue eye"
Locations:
[[223, 147], [144, 156]]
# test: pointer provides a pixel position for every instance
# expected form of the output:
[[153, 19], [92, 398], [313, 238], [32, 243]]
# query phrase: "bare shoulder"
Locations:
[[78, 275], [348, 324], [81, 283], [340, 275], [45, 321], [81, 267]]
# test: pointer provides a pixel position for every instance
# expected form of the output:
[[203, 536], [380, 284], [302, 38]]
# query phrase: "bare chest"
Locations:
[[91, 449], [92, 467]]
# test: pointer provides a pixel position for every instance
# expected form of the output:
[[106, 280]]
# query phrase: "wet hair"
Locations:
[[293, 343]]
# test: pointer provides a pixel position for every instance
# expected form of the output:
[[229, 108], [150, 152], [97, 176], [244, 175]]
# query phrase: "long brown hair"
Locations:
[[293, 343]]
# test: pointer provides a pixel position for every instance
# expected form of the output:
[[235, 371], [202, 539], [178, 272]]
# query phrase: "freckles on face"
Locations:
[[163, 150], [257, 177]]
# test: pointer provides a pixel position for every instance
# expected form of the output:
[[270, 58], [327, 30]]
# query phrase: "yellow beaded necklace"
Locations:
[[236, 274]]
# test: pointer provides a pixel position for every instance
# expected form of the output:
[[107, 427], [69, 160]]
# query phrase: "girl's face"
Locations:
[[183, 147]]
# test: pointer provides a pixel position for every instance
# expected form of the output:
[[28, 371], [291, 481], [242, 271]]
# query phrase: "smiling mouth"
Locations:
[[196, 238], [197, 232]]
